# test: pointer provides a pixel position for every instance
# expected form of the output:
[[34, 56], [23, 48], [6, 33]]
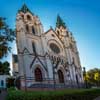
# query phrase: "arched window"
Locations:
[[33, 30], [22, 16], [27, 28], [2, 83], [38, 75], [54, 48], [28, 17], [33, 47], [60, 76], [58, 32]]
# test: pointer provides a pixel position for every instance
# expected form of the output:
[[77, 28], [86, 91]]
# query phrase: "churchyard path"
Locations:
[[98, 98], [3, 95]]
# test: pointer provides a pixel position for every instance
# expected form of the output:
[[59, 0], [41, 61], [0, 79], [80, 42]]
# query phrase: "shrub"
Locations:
[[89, 94]]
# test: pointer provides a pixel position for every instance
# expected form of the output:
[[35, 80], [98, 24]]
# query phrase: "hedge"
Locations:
[[89, 94]]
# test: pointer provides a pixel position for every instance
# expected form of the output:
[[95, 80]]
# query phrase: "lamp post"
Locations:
[[84, 75], [55, 66]]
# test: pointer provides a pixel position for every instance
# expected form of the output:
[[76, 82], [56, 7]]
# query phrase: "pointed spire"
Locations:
[[60, 22], [25, 9]]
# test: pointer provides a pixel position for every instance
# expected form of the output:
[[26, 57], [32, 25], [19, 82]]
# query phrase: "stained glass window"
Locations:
[[54, 48]]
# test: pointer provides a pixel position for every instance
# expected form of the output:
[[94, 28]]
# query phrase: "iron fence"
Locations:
[[30, 82]]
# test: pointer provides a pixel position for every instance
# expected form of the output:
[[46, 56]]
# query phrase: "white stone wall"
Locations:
[[42, 40]]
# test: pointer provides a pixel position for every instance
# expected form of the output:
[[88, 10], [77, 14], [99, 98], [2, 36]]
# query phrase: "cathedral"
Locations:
[[46, 59]]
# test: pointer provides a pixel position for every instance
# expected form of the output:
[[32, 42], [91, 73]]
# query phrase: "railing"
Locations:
[[30, 82]]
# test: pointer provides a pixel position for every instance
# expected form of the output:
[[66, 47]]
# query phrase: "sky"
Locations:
[[82, 17]]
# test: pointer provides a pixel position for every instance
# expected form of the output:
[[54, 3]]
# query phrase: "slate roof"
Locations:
[[25, 9]]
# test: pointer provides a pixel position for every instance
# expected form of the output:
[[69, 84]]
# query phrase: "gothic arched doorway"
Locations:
[[38, 75], [60, 76]]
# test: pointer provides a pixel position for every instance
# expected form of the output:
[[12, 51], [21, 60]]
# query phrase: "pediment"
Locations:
[[51, 34], [37, 60], [25, 51]]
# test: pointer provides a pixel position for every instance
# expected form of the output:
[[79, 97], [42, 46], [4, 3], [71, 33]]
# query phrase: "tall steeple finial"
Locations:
[[60, 22], [25, 9]]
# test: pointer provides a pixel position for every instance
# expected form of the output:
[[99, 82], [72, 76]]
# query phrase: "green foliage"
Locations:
[[93, 77], [7, 35], [11, 89], [4, 68], [69, 94]]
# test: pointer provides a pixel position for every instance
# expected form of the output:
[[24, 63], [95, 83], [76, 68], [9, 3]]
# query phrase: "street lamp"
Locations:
[[84, 75]]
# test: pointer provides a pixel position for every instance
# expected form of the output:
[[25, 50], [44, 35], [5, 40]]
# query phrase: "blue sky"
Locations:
[[82, 17]]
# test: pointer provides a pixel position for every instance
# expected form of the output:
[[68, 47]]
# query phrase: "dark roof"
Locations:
[[60, 22], [15, 58], [25, 9], [51, 29]]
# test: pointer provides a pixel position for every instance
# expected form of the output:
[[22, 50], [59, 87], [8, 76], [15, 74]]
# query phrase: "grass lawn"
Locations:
[[67, 94]]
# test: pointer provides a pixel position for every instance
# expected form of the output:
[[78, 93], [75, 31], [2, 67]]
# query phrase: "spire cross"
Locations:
[[24, 5]]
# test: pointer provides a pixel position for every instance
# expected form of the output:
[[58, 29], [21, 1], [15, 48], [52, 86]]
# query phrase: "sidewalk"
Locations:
[[3, 95], [98, 98]]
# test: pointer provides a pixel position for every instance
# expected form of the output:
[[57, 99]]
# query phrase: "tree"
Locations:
[[97, 78], [4, 68], [7, 35], [93, 76]]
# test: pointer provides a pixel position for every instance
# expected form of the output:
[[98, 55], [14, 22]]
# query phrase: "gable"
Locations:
[[51, 35], [54, 44], [37, 60]]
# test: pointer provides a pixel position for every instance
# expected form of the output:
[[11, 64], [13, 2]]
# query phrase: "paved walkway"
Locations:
[[98, 98], [3, 95]]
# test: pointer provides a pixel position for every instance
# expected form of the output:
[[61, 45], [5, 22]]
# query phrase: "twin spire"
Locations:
[[25, 9], [59, 22]]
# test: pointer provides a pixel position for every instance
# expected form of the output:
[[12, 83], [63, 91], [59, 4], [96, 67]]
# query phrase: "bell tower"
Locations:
[[70, 48], [28, 32], [32, 23], [60, 26], [28, 27]]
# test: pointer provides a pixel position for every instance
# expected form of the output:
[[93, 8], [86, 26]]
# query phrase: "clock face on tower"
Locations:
[[54, 48]]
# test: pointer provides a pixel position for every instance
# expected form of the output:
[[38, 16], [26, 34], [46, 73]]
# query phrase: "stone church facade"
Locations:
[[48, 58]]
